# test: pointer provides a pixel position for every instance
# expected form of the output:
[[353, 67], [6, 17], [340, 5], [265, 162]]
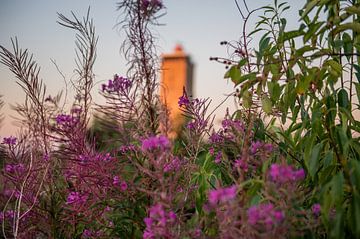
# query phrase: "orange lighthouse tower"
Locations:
[[176, 73]]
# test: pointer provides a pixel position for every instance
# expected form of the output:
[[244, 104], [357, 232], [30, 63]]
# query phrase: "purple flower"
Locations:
[[242, 164], [64, 120], [123, 186], [255, 146], [316, 209], [216, 138], [183, 100], [218, 157], [222, 195], [279, 215], [268, 147], [161, 142], [87, 233], [264, 214], [46, 157], [15, 168], [196, 125], [116, 180], [148, 234], [9, 140], [75, 198], [173, 165], [285, 173], [145, 4], [118, 84], [159, 222], [103, 87]]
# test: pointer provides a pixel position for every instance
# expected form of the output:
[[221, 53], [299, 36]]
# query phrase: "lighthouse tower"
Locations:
[[176, 73]]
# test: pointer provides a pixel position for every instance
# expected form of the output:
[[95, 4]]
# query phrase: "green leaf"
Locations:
[[263, 44], [357, 68], [315, 160], [354, 167], [250, 77], [266, 104], [336, 66], [274, 90], [357, 88], [308, 7], [247, 99], [233, 73], [355, 214], [312, 30], [303, 84], [347, 44], [353, 10], [343, 99], [355, 26], [292, 34]]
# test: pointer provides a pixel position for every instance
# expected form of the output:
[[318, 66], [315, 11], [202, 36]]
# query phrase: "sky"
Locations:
[[198, 25]]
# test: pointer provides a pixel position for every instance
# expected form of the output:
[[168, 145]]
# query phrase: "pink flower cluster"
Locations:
[[76, 198], [173, 165], [118, 84], [9, 140], [159, 222], [65, 120], [151, 4], [122, 184], [316, 209], [156, 142], [285, 173], [15, 168], [258, 145], [222, 195], [264, 215], [197, 124], [183, 100]]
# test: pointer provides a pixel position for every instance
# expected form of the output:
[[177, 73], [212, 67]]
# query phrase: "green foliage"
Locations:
[[311, 87]]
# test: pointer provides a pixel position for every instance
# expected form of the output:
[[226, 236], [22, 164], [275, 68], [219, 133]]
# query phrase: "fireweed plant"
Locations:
[[284, 165]]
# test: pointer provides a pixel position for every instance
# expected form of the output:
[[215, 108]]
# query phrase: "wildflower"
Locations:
[[255, 146], [242, 164], [15, 168], [76, 197], [116, 180], [118, 84], [173, 165], [211, 151], [83, 158], [268, 147], [161, 142], [123, 186], [218, 157], [216, 138], [66, 120], [316, 209], [150, 5], [183, 100], [87, 233], [197, 125], [159, 222], [9, 140], [285, 173], [222, 195], [46, 157], [264, 214]]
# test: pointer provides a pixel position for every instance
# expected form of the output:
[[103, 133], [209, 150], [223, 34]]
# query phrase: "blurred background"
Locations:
[[199, 26]]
